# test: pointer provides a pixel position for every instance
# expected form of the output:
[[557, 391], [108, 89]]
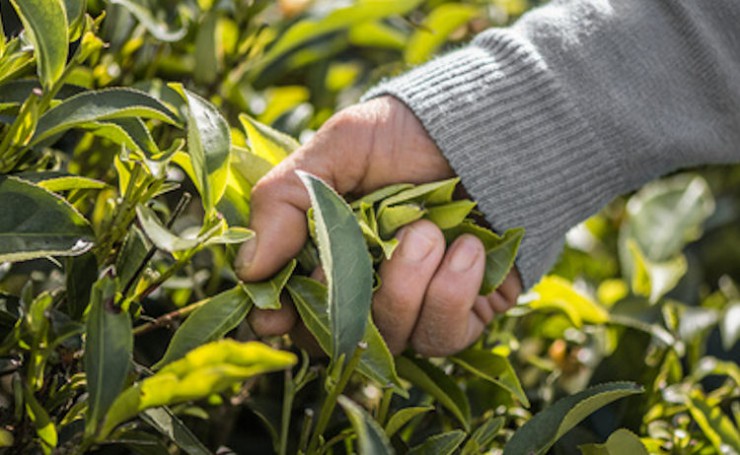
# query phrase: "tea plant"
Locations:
[[131, 134]]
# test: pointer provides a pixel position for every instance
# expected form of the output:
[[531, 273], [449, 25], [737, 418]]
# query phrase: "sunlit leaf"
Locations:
[[730, 326], [654, 279], [553, 292], [346, 263], [267, 143], [215, 317], [435, 29], [108, 351], [545, 428], [717, 427], [371, 439], [493, 368], [620, 442], [37, 223], [436, 383], [45, 22]]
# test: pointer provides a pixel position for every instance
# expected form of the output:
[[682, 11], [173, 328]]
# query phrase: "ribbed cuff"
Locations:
[[517, 141]]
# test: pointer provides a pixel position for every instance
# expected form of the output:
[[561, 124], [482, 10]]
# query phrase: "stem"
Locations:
[[327, 408], [305, 431], [166, 319], [385, 404], [288, 395]]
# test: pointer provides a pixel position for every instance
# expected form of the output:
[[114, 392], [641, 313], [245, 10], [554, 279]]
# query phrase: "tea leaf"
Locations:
[[436, 383], [266, 294], [717, 427], [37, 223], [451, 214], [214, 318], [391, 219], [82, 272], [371, 439], [434, 30], [620, 442], [45, 428], [427, 194], [209, 147], [483, 435], [404, 416], [95, 106], [108, 349], [654, 279], [347, 265], [558, 293], [544, 429], [493, 368], [267, 143], [45, 23], [160, 235], [730, 326], [158, 29], [440, 444], [310, 299], [164, 421]]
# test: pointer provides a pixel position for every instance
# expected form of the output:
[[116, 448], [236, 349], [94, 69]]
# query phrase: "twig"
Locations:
[[166, 319]]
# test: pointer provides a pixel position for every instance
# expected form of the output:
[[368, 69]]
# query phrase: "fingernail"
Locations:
[[245, 256], [465, 254], [415, 244]]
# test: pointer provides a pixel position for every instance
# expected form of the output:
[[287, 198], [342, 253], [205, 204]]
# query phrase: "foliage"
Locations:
[[121, 319]]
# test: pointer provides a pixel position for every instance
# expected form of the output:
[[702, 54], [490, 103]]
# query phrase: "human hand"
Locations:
[[429, 293]]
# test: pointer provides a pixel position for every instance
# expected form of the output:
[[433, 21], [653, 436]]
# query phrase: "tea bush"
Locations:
[[131, 134]]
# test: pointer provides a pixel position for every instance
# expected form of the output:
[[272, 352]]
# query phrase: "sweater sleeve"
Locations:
[[580, 101]]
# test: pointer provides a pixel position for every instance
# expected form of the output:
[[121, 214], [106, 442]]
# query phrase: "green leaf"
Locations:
[[160, 235], [310, 299], [371, 439], [620, 442], [346, 263], [544, 429], [377, 35], [404, 416], [553, 292], [36, 223], [206, 50], [717, 427], [215, 317], [380, 194], [209, 146], [248, 165], [267, 143], [6, 438], [447, 216], [493, 368], [427, 194], [108, 351], [654, 279], [82, 272], [483, 436], [159, 29], [95, 106], [307, 30], [729, 326], [391, 219], [164, 421], [266, 294], [132, 253], [129, 132], [436, 383], [435, 29], [45, 22], [440, 444], [45, 428], [206, 370], [70, 182]]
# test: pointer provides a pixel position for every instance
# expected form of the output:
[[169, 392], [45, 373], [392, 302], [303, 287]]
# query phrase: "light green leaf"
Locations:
[[129, 132], [209, 147], [160, 235], [380, 194], [45, 428], [266, 294], [391, 219], [6, 438], [377, 35], [654, 279], [95, 106], [434, 30], [447, 216], [45, 22], [310, 29], [436, 383], [248, 165], [493, 368], [371, 439], [37, 223], [553, 292], [544, 429], [483, 436], [440, 444], [620, 442], [208, 369], [729, 326], [427, 194], [71, 182], [404, 416], [232, 235], [164, 421], [310, 299], [215, 317], [160, 30], [267, 143], [346, 263], [717, 427], [108, 347]]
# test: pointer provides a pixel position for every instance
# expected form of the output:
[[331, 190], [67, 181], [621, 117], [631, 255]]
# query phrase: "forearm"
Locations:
[[578, 102]]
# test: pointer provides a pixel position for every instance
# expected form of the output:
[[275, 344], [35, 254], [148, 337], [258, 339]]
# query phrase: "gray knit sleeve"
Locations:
[[578, 102]]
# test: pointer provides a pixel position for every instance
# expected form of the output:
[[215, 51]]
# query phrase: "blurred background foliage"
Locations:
[[646, 291]]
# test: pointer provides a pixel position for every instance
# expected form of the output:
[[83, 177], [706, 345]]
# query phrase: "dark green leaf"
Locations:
[[436, 383], [493, 368], [346, 263], [212, 320], [371, 439], [404, 416], [440, 444], [483, 436], [164, 421], [82, 272], [108, 349], [266, 294], [45, 22], [545, 428], [37, 223]]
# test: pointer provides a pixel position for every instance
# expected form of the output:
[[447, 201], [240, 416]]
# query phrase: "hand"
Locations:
[[429, 293]]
